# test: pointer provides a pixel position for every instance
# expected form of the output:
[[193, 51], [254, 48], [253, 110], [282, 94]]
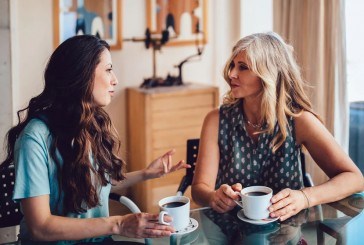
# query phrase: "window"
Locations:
[[355, 49], [355, 77]]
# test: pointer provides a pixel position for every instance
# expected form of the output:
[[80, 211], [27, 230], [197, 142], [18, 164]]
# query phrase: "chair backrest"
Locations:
[[192, 152], [307, 179], [10, 214]]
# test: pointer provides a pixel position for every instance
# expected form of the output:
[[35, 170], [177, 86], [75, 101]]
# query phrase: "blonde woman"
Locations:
[[256, 136]]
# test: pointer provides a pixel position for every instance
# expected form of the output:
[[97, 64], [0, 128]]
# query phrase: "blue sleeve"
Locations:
[[31, 164]]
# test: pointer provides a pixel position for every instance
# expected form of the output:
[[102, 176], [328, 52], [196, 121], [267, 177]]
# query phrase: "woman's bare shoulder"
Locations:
[[212, 117], [213, 114], [307, 118], [308, 125], [211, 122]]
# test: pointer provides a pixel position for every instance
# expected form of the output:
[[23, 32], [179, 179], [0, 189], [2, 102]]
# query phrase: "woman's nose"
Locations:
[[114, 80], [233, 74]]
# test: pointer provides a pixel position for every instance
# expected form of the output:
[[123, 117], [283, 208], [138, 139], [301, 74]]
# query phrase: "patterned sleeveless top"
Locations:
[[249, 163]]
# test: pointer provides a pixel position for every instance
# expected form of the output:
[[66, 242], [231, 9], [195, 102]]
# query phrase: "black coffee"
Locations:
[[173, 204], [256, 193]]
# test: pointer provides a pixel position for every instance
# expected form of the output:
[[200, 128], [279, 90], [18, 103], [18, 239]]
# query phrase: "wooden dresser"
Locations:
[[160, 119]]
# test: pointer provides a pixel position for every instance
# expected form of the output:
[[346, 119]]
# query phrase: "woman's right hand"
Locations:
[[144, 225], [222, 199]]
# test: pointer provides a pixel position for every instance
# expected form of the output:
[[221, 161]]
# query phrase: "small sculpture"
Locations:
[[156, 41], [179, 80]]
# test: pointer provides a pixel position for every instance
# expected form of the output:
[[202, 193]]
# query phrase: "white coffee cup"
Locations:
[[255, 201], [178, 207]]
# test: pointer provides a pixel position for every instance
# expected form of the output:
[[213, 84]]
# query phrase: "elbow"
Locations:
[[38, 233], [194, 194], [359, 179], [362, 184], [35, 235]]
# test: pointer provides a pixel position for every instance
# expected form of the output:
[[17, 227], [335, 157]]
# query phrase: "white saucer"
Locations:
[[193, 225], [256, 222]]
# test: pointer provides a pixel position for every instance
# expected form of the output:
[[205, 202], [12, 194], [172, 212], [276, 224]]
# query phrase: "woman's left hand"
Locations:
[[287, 203], [163, 165]]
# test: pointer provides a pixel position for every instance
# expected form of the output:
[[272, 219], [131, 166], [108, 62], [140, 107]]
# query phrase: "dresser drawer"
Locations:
[[185, 117], [177, 102], [174, 137]]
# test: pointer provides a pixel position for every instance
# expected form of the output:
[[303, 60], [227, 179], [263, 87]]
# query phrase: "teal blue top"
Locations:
[[249, 163], [36, 175]]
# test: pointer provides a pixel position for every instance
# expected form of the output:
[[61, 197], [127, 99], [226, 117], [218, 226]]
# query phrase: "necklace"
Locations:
[[254, 125]]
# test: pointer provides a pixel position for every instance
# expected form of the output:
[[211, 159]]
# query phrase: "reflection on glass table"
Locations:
[[340, 222]]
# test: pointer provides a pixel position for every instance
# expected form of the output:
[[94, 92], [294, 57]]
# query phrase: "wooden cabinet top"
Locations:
[[185, 88]]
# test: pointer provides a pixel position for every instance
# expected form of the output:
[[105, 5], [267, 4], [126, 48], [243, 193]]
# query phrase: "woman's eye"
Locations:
[[243, 68]]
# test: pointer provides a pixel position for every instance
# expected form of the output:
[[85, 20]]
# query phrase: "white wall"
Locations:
[[5, 73], [32, 44], [31, 47], [257, 16]]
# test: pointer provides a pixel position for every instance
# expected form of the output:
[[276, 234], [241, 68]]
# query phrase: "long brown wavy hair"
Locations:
[[80, 129], [283, 95]]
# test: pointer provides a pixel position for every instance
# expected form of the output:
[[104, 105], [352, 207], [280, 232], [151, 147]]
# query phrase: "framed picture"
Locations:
[[185, 20], [97, 17]]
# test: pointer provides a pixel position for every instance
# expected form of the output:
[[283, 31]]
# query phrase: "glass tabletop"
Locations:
[[341, 221]]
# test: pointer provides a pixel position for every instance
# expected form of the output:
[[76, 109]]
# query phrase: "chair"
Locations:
[[10, 214], [307, 179], [192, 152]]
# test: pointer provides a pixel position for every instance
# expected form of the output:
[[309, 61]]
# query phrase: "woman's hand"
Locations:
[[222, 199], [287, 203], [163, 165], [144, 225]]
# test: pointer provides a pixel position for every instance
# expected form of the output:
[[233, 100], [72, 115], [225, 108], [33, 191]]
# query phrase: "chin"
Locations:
[[103, 103], [237, 95]]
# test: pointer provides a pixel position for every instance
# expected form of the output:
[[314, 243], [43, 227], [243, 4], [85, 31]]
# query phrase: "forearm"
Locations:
[[335, 189], [131, 179], [57, 228], [201, 194]]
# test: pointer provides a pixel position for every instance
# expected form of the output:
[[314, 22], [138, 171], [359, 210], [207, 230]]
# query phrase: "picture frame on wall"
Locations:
[[185, 20], [101, 18]]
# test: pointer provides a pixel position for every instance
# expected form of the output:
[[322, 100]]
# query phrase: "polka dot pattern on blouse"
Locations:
[[249, 163]]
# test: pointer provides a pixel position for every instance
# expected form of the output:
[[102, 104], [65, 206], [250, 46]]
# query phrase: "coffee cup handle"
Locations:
[[237, 202], [161, 218]]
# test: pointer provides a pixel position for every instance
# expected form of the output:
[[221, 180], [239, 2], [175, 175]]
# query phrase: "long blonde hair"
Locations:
[[283, 95]]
